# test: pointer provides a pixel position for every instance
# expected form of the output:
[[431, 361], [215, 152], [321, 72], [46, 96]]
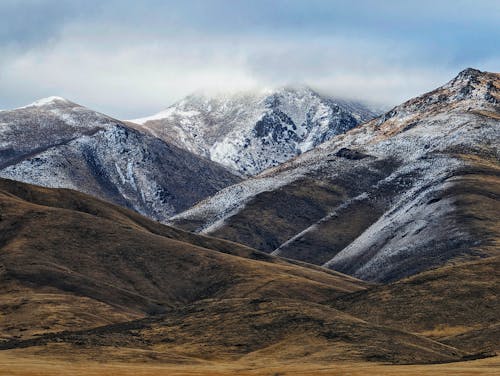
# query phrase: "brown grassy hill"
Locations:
[[64, 240], [456, 304], [245, 330], [80, 276]]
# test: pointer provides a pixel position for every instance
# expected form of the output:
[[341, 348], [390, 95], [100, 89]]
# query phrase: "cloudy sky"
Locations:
[[132, 58]]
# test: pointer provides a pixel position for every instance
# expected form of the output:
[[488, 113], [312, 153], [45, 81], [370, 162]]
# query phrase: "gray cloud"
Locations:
[[133, 58]]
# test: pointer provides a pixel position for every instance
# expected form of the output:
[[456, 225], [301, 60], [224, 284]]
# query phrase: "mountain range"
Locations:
[[57, 143], [254, 233], [413, 189]]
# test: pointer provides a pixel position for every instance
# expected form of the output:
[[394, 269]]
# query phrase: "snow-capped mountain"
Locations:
[[252, 131], [408, 191], [57, 143]]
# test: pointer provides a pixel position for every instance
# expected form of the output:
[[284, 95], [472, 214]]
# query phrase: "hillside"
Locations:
[[57, 143], [252, 131], [409, 191], [81, 278], [456, 304]]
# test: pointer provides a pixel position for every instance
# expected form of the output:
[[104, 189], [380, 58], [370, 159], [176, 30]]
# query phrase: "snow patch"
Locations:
[[46, 101]]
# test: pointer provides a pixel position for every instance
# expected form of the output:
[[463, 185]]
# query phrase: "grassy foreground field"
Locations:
[[16, 363]]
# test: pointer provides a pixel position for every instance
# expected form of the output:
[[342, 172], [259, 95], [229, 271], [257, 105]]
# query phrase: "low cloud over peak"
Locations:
[[130, 59]]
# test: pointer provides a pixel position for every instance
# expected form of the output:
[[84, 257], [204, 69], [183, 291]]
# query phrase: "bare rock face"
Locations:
[[250, 132], [56, 143], [411, 190]]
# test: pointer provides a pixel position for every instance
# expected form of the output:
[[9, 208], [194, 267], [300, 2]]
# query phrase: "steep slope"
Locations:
[[81, 262], [57, 143], [406, 192], [252, 131]]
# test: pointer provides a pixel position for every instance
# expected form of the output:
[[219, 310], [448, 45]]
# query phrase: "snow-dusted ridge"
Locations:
[[417, 148], [251, 131], [47, 101], [57, 143], [43, 102]]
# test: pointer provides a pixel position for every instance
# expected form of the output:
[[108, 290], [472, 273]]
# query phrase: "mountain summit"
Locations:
[[411, 190], [252, 131]]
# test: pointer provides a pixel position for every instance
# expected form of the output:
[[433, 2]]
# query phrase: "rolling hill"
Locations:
[[81, 278], [455, 304]]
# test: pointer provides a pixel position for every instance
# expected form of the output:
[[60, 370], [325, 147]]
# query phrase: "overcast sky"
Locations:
[[134, 58]]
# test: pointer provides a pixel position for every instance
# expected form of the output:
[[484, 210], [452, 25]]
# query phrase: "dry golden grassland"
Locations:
[[15, 363]]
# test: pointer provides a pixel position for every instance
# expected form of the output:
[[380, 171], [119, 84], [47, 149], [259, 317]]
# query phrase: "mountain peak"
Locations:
[[467, 77], [470, 89], [49, 101], [250, 131], [469, 73], [472, 84], [475, 77]]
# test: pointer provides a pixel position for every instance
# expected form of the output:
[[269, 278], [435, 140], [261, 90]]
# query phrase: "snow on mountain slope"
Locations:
[[252, 131], [57, 143], [43, 124], [408, 191]]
